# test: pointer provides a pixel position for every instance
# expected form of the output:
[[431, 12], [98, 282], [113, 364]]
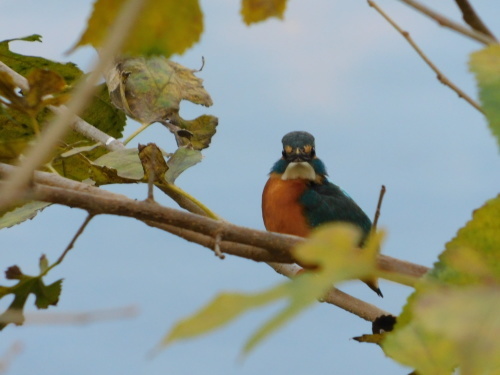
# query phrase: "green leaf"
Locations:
[[19, 214], [24, 64], [480, 237], [254, 11], [45, 295], [125, 163], [182, 159], [151, 89], [16, 130], [486, 66], [103, 114], [75, 157], [164, 27]]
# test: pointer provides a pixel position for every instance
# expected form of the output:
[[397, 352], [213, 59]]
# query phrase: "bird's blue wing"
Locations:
[[326, 202]]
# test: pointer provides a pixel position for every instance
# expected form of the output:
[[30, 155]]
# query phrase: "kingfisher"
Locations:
[[298, 196]]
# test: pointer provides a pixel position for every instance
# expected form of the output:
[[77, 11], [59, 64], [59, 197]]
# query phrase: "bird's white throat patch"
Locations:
[[301, 170]]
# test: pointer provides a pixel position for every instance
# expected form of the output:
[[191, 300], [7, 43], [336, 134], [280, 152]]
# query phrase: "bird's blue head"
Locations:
[[299, 158]]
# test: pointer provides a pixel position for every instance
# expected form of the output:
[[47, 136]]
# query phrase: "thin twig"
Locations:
[[379, 206], [250, 252], [472, 19], [12, 352], [82, 318], [439, 75], [446, 22], [72, 243], [17, 183]]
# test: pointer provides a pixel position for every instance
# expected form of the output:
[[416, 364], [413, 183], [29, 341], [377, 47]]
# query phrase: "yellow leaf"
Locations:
[[333, 247], [254, 11], [446, 322], [164, 27], [222, 310]]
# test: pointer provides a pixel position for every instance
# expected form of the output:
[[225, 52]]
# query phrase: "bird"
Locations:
[[298, 196]]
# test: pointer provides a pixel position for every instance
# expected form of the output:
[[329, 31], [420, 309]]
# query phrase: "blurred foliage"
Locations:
[[452, 318], [163, 28], [332, 247], [486, 66], [254, 11]]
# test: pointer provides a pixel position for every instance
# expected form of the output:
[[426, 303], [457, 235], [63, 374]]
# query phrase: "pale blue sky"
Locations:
[[333, 68]]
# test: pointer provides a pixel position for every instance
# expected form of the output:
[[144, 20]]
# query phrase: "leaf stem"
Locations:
[[175, 192], [136, 133]]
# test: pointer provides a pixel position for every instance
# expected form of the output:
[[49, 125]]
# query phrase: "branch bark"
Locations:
[[55, 189], [439, 75], [446, 22], [472, 19], [260, 246]]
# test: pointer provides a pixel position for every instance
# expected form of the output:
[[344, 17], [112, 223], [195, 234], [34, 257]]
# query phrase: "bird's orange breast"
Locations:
[[281, 208]]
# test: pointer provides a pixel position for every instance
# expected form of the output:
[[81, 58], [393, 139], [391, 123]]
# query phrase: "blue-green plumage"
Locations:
[[326, 202], [322, 200], [298, 196]]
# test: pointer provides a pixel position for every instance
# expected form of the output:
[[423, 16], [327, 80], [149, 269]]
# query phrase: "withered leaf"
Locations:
[[151, 89], [153, 162]]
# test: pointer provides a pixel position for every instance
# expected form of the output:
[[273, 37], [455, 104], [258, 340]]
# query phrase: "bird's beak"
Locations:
[[297, 155]]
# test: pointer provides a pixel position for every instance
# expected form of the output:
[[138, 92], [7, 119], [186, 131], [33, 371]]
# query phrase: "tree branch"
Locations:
[[439, 75], [240, 241], [472, 19], [55, 189], [336, 297], [446, 22]]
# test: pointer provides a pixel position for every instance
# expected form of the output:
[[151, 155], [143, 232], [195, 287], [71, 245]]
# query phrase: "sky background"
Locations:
[[333, 68]]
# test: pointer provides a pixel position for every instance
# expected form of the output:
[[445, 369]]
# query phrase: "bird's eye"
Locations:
[[313, 152], [283, 153]]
